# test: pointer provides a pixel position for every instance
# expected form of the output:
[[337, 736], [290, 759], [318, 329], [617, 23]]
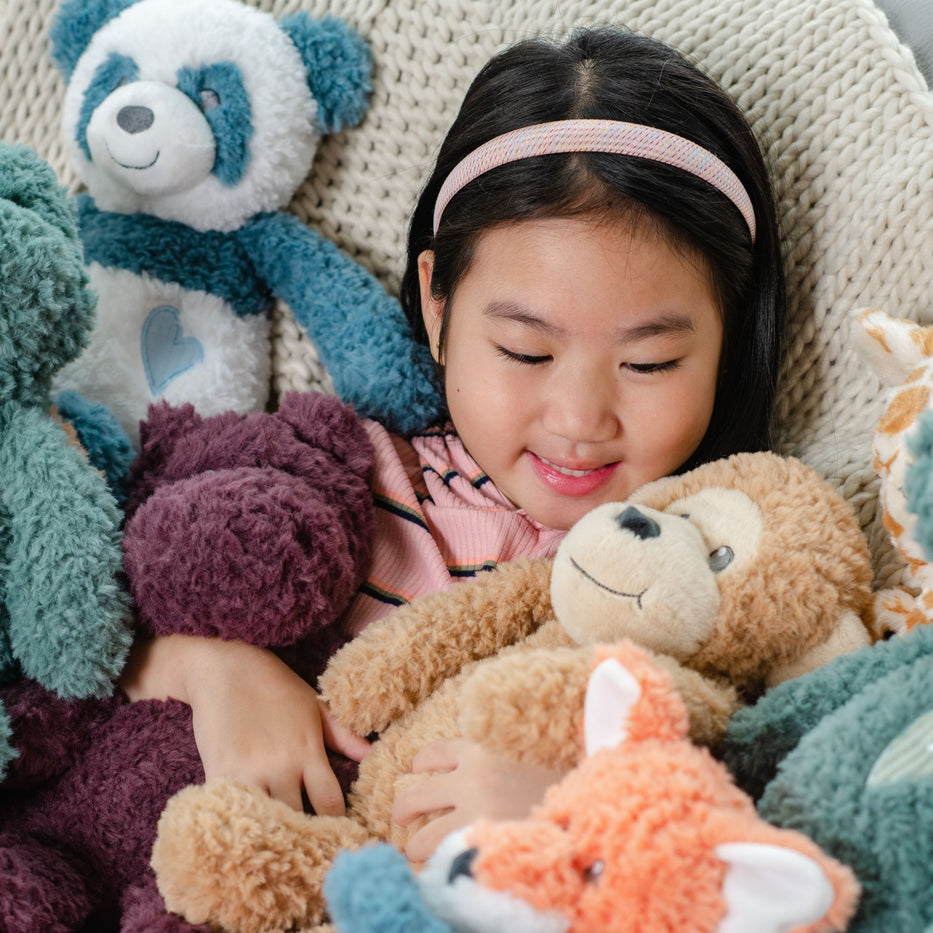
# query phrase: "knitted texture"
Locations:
[[843, 114]]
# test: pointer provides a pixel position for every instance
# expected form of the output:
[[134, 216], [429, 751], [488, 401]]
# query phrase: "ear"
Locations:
[[74, 26], [432, 310], [770, 889], [338, 64], [610, 695], [892, 347]]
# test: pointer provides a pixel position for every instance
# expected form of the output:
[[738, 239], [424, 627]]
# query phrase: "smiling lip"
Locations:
[[571, 481]]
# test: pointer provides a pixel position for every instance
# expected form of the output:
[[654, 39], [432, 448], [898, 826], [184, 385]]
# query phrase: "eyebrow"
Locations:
[[666, 323]]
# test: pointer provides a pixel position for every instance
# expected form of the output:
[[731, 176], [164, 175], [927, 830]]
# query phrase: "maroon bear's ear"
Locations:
[[159, 432], [327, 424]]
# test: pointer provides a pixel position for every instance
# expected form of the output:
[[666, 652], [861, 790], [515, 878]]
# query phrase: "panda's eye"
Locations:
[[721, 558], [122, 82], [210, 100]]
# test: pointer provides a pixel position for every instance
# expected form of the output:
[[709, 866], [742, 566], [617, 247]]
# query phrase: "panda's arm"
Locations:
[[359, 329]]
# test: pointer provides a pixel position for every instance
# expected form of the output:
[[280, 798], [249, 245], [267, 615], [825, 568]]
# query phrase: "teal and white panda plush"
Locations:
[[191, 125]]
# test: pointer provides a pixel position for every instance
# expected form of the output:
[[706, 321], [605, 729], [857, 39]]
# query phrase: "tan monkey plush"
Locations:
[[738, 574]]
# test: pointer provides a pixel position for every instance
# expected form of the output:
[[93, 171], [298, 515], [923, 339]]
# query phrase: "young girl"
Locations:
[[595, 266]]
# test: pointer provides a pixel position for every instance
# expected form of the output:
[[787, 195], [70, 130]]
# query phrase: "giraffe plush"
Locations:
[[901, 354]]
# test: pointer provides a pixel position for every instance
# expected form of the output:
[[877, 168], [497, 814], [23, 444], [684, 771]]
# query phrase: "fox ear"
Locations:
[[771, 888], [610, 695]]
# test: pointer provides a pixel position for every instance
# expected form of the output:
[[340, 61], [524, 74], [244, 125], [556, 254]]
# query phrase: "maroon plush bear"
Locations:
[[255, 527]]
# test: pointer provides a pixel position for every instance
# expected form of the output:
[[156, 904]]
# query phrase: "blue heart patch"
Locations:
[[166, 351]]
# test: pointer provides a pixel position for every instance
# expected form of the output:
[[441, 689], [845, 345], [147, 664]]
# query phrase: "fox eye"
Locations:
[[594, 872], [721, 558]]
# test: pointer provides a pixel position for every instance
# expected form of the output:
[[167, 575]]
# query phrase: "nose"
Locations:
[[462, 865], [582, 407], [135, 119], [638, 523]]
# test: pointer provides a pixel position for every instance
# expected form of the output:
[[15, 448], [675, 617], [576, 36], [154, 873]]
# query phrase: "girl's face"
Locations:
[[580, 361]]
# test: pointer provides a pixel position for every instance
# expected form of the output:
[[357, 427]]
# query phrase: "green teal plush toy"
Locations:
[[64, 614], [845, 755]]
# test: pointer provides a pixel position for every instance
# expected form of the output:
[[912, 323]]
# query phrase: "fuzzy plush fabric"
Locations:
[[373, 890], [64, 613], [843, 755], [647, 834], [900, 352], [90, 822], [250, 526], [469, 662], [271, 514], [918, 483], [183, 227], [101, 435]]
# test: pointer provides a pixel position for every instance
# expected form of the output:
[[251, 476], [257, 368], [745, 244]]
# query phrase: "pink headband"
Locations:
[[631, 139]]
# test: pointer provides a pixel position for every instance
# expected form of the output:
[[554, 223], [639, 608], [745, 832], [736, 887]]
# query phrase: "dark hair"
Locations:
[[609, 74]]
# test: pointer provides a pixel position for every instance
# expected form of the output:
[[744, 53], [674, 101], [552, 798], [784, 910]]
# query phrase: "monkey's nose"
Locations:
[[638, 523]]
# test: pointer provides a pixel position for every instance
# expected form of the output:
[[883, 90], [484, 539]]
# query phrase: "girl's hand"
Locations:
[[461, 781], [254, 718]]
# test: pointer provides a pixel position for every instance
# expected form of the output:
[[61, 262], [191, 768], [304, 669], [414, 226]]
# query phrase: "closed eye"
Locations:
[[525, 359], [652, 367]]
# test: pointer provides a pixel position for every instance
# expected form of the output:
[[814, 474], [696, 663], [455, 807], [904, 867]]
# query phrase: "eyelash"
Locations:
[[648, 368], [525, 359]]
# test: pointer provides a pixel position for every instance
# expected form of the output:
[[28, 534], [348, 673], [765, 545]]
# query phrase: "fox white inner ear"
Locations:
[[610, 695], [770, 889]]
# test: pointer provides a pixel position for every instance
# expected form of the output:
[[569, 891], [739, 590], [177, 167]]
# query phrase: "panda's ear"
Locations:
[[74, 26], [338, 64]]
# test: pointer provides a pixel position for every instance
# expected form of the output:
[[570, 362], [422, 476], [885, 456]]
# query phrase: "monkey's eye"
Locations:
[[594, 872], [721, 558]]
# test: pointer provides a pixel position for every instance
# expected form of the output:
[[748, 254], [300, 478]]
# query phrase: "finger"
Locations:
[[324, 792], [340, 739], [423, 843], [427, 794], [438, 756]]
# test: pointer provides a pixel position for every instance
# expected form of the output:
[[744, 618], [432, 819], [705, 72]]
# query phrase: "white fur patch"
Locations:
[[470, 908], [234, 372]]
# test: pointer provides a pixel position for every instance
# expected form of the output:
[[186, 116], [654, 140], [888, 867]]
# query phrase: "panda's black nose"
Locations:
[[135, 119], [638, 523], [461, 866]]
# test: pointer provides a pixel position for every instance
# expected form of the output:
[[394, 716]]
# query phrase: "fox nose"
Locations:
[[135, 119], [462, 865], [638, 523]]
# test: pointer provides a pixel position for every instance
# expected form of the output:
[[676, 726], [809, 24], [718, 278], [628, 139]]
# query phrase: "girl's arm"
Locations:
[[254, 718]]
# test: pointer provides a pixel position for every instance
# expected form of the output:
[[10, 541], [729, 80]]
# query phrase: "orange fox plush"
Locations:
[[647, 835]]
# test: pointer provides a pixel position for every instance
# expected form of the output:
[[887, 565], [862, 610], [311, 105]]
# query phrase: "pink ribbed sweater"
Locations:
[[438, 519]]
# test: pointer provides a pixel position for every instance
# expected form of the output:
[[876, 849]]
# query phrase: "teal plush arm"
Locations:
[[65, 608]]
